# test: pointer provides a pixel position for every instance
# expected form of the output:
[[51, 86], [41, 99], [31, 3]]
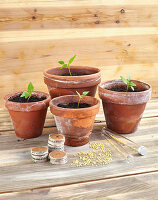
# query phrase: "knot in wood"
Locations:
[[33, 17], [95, 15], [117, 21], [122, 11], [97, 22]]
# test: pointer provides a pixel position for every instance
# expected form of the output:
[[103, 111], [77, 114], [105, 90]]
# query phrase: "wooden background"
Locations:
[[118, 36]]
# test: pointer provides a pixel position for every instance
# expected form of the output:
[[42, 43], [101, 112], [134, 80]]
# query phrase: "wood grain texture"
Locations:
[[24, 55], [119, 37], [92, 15], [16, 3], [126, 188], [16, 165]]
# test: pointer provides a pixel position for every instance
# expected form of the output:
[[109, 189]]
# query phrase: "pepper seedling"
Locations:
[[27, 94], [67, 65], [128, 82], [81, 96]]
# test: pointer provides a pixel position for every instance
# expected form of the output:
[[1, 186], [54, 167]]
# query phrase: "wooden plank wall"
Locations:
[[119, 37]]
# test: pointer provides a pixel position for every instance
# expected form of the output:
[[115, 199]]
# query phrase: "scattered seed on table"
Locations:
[[100, 155]]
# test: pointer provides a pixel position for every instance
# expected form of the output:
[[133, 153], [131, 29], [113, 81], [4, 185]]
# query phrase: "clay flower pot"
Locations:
[[75, 124], [59, 85], [28, 118], [123, 110]]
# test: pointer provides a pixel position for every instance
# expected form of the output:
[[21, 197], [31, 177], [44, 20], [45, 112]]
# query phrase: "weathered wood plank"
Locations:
[[16, 3], [17, 36], [92, 15], [16, 166], [31, 176], [144, 135], [125, 188]]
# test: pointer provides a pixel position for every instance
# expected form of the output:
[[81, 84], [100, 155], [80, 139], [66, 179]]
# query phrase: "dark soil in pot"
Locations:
[[28, 117], [74, 105], [123, 110], [75, 124], [122, 88], [19, 99], [83, 78], [74, 74]]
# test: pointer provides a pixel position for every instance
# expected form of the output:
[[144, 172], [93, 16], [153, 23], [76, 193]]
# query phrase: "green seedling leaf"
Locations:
[[61, 62], [25, 94], [132, 88], [64, 66], [30, 88], [71, 59], [85, 93], [128, 82], [67, 65], [132, 84], [81, 96], [124, 80]]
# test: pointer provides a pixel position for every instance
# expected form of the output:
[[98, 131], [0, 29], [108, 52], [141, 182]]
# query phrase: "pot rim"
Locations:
[[74, 113], [32, 106], [126, 98], [71, 109], [48, 75], [124, 93]]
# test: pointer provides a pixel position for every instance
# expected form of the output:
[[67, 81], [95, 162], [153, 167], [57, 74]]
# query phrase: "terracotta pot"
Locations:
[[75, 124], [28, 118], [123, 110], [59, 85]]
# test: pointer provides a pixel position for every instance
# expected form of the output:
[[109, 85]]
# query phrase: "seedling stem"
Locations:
[[67, 65], [81, 96], [128, 82], [27, 94]]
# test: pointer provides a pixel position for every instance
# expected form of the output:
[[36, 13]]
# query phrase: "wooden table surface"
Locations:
[[22, 179]]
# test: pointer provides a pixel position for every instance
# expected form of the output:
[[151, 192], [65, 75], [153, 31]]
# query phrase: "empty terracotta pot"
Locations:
[[28, 118], [123, 110], [59, 85], [75, 124]]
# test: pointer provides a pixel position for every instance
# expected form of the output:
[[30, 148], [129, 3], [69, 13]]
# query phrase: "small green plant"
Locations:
[[81, 96], [67, 65], [128, 82], [27, 94]]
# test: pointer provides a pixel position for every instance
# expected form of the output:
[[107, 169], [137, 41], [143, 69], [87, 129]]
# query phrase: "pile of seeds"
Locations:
[[100, 155]]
